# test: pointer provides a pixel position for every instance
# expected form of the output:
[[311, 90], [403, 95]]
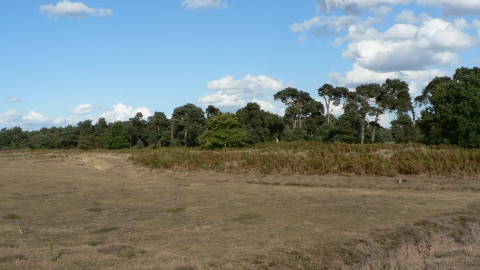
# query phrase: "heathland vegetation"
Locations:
[[449, 115]]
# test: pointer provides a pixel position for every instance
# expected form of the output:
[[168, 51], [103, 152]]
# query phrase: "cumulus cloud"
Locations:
[[408, 17], [12, 99], [204, 4], [322, 24], [414, 50], [82, 109], [250, 86], [121, 112], [35, 118], [31, 121], [458, 7], [355, 6], [73, 9], [10, 117], [237, 93], [417, 80], [409, 47]]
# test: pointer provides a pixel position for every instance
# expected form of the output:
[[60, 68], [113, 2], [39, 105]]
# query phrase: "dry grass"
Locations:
[[314, 158], [165, 219]]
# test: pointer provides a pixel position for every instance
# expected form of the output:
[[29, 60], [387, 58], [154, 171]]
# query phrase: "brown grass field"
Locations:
[[102, 210]]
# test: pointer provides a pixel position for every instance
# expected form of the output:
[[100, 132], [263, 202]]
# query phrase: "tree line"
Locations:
[[450, 114]]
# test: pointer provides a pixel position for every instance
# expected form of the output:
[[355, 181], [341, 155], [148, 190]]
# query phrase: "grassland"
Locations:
[[197, 210]]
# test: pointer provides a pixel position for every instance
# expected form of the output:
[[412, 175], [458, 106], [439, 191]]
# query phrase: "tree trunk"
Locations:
[[185, 137], [374, 128], [171, 134], [327, 104], [363, 132], [413, 117]]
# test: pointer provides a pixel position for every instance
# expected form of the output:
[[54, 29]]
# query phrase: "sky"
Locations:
[[65, 61]]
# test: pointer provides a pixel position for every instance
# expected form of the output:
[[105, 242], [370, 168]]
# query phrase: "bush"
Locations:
[[223, 131]]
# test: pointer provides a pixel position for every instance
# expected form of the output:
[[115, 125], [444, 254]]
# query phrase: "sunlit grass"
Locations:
[[314, 158]]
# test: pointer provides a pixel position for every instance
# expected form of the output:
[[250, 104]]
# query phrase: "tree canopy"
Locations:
[[223, 130], [452, 114], [449, 114]]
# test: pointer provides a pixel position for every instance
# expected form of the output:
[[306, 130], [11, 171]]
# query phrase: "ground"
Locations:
[[98, 210]]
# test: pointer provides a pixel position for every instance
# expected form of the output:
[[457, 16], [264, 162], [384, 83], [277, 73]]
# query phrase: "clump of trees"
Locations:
[[450, 115], [223, 130]]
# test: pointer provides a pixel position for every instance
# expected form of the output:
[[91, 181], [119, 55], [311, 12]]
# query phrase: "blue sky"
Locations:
[[65, 61]]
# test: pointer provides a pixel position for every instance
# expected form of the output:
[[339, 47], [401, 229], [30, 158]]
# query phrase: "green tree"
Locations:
[[312, 118], [68, 137], [400, 102], [223, 130], [254, 123], [347, 127], [118, 136], [101, 133], [86, 139], [275, 125], [363, 96], [452, 114], [158, 129], [295, 101], [332, 96], [136, 129], [212, 111], [42, 139], [188, 124], [13, 138]]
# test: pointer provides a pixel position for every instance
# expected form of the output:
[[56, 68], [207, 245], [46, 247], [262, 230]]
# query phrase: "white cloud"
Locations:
[[407, 16], [73, 9], [59, 120], [204, 4], [302, 38], [35, 118], [10, 117], [222, 99], [476, 24], [417, 80], [121, 112], [83, 109], [12, 99], [267, 106], [409, 47], [321, 24], [237, 93], [457, 7], [382, 10], [355, 6], [250, 86], [102, 12]]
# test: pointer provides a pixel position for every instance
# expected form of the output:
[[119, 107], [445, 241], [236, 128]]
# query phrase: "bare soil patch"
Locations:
[[99, 210]]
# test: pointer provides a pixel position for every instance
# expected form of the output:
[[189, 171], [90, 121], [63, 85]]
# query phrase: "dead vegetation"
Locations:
[[314, 158]]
